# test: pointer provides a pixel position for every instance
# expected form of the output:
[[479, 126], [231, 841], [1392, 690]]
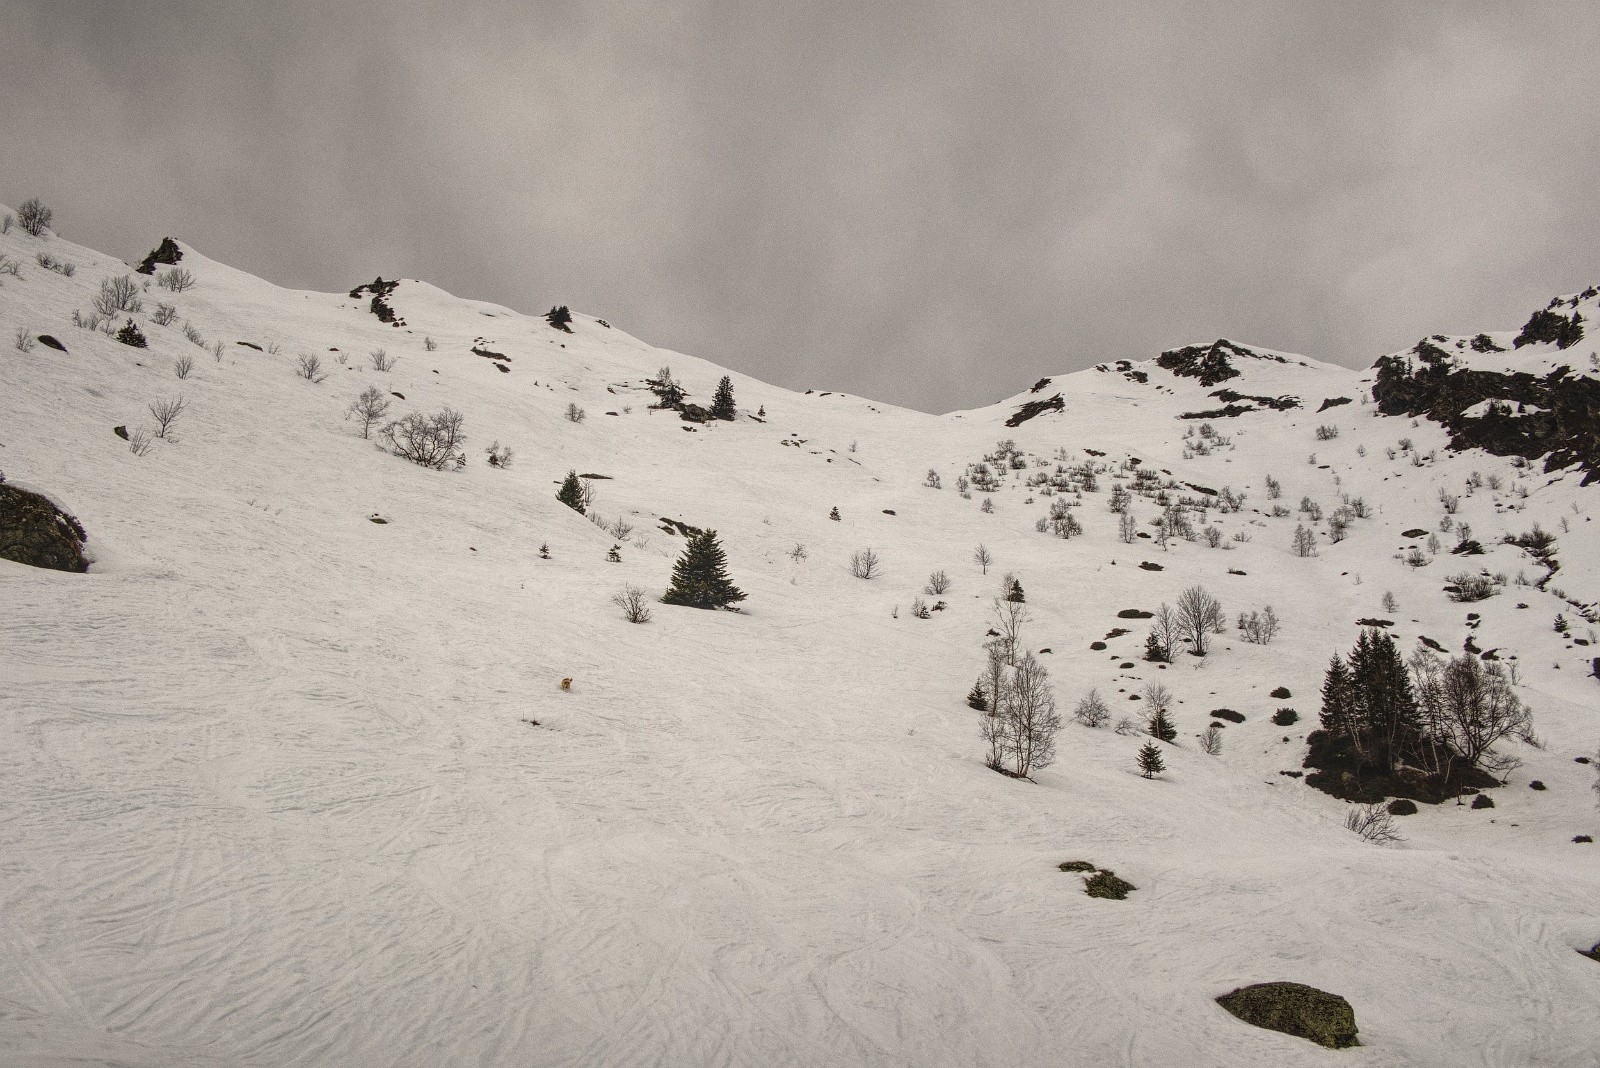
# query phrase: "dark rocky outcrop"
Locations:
[[35, 532], [166, 254], [1211, 363], [1295, 1009], [1033, 408], [1555, 415]]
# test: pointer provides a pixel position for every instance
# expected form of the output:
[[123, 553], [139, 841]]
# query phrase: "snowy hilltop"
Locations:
[[343, 720]]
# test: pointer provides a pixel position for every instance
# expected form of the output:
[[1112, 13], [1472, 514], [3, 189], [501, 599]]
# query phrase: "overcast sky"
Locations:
[[930, 203]]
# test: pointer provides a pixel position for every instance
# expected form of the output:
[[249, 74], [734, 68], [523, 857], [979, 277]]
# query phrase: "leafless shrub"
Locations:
[[864, 564], [575, 414], [10, 266], [1211, 740], [24, 339], [369, 409], [429, 344], [634, 603], [382, 361], [311, 369], [620, 529], [5, 225], [191, 334], [177, 279], [1259, 627], [166, 413], [118, 295], [217, 349], [920, 609], [938, 583], [499, 455], [1326, 432], [1373, 823], [798, 554], [1470, 587], [183, 367], [274, 349], [164, 314], [432, 441], [33, 216], [1092, 711], [1127, 726], [982, 557], [139, 441]]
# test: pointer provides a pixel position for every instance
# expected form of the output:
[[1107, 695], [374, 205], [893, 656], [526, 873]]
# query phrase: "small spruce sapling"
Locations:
[[1150, 762], [700, 576], [560, 318], [571, 493]]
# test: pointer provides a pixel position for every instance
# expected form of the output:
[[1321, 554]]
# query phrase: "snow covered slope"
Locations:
[[288, 786]]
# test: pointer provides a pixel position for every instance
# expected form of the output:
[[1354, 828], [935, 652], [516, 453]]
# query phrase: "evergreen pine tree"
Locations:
[[978, 697], [1154, 651], [571, 492], [833, 514], [722, 403], [700, 577], [1385, 705], [762, 412], [1150, 762], [544, 552], [1015, 593], [1161, 727], [1338, 698], [615, 555], [560, 318]]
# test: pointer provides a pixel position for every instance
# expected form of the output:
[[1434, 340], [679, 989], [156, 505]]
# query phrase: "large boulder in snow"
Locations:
[[1295, 1009], [34, 531]]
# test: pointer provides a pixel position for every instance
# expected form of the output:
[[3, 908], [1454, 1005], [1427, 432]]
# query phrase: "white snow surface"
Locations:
[[271, 794]]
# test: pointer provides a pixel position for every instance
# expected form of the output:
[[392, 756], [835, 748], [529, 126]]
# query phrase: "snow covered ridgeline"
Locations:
[[271, 798]]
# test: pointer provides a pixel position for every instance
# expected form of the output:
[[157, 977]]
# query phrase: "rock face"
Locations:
[[35, 532], [1295, 1009]]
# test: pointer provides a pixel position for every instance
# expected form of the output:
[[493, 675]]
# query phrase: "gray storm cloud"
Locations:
[[928, 203]]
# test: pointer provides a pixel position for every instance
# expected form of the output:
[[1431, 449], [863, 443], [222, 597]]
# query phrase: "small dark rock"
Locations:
[[50, 342], [35, 532], [1402, 806]]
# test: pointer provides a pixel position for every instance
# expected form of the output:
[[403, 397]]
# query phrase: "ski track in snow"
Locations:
[[270, 798]]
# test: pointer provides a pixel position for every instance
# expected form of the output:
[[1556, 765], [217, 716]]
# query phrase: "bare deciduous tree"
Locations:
[[982, 557], [368, 409], [24, 339], [164, 314], [166, 413], [382, 361], [1010, 617], [575, 414], [1092, 710], [1199, 614], [1025, 720], [183, 367], [938, 583], [1467, 707], [1211, 740], [635, 604]]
